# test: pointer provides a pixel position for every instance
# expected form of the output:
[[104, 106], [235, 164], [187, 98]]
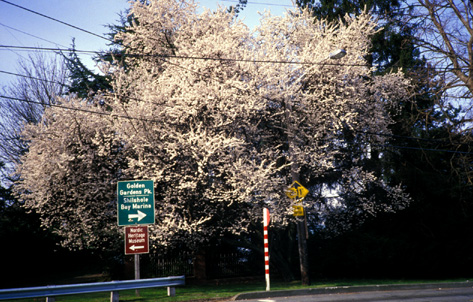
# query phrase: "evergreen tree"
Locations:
[[436, 180], [84, 81], [391, 45]]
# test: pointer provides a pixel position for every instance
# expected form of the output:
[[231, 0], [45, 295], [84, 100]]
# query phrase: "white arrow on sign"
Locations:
[[140, 215], [137, 247]]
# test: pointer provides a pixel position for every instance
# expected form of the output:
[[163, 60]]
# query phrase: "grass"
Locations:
[[216, 292]]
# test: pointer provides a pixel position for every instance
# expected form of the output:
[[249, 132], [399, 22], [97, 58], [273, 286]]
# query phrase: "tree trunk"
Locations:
[[200, 268]]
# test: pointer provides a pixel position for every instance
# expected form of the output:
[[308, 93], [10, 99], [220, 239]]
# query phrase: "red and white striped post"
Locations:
[[266, 245]]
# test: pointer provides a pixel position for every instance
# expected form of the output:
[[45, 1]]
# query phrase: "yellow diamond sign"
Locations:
[[296, 191]]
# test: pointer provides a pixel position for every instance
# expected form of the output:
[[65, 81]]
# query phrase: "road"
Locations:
[[414, 295]]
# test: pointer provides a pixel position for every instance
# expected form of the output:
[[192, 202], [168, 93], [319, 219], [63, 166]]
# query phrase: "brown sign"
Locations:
[[136, 240]]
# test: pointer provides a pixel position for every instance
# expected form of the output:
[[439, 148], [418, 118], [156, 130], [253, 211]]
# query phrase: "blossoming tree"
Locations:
[[69, 174], [221, 117]]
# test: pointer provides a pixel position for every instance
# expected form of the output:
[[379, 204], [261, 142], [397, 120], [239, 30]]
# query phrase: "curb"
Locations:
[[347, 289]]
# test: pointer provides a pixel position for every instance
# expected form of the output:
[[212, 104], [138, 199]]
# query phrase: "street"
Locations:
[[416, 295]]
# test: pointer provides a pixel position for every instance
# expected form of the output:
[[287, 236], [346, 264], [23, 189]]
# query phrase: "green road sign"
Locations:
[[135, 202]]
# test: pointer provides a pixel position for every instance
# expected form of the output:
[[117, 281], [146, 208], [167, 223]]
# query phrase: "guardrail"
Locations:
[[113, 287]]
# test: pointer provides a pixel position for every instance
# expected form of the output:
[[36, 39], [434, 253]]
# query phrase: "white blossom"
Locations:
[[216, 114]]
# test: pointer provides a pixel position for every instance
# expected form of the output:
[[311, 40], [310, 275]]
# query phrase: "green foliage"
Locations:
[[392, 46], [427, 238], [84, 82]]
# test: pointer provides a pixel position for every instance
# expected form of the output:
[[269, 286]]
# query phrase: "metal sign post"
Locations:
[[135, 209]]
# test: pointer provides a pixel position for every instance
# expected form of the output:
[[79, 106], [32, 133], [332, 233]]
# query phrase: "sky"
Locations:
[[20, 27]]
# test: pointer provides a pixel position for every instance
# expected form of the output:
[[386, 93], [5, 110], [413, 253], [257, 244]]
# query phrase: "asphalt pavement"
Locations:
[[423, 290]]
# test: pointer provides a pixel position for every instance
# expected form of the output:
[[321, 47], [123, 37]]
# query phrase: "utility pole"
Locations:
[[302, 235], [303, 250]]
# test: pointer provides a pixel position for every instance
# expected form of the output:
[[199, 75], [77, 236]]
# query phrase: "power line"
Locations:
[[418, 139], [33, 78], [423, 149], [163, 57], [56, 20], [260, 3], [48, 49], [31, 35], [148, 120], [100, 36], [364, 132], [52, 105], [167, 56], [77, 109]]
